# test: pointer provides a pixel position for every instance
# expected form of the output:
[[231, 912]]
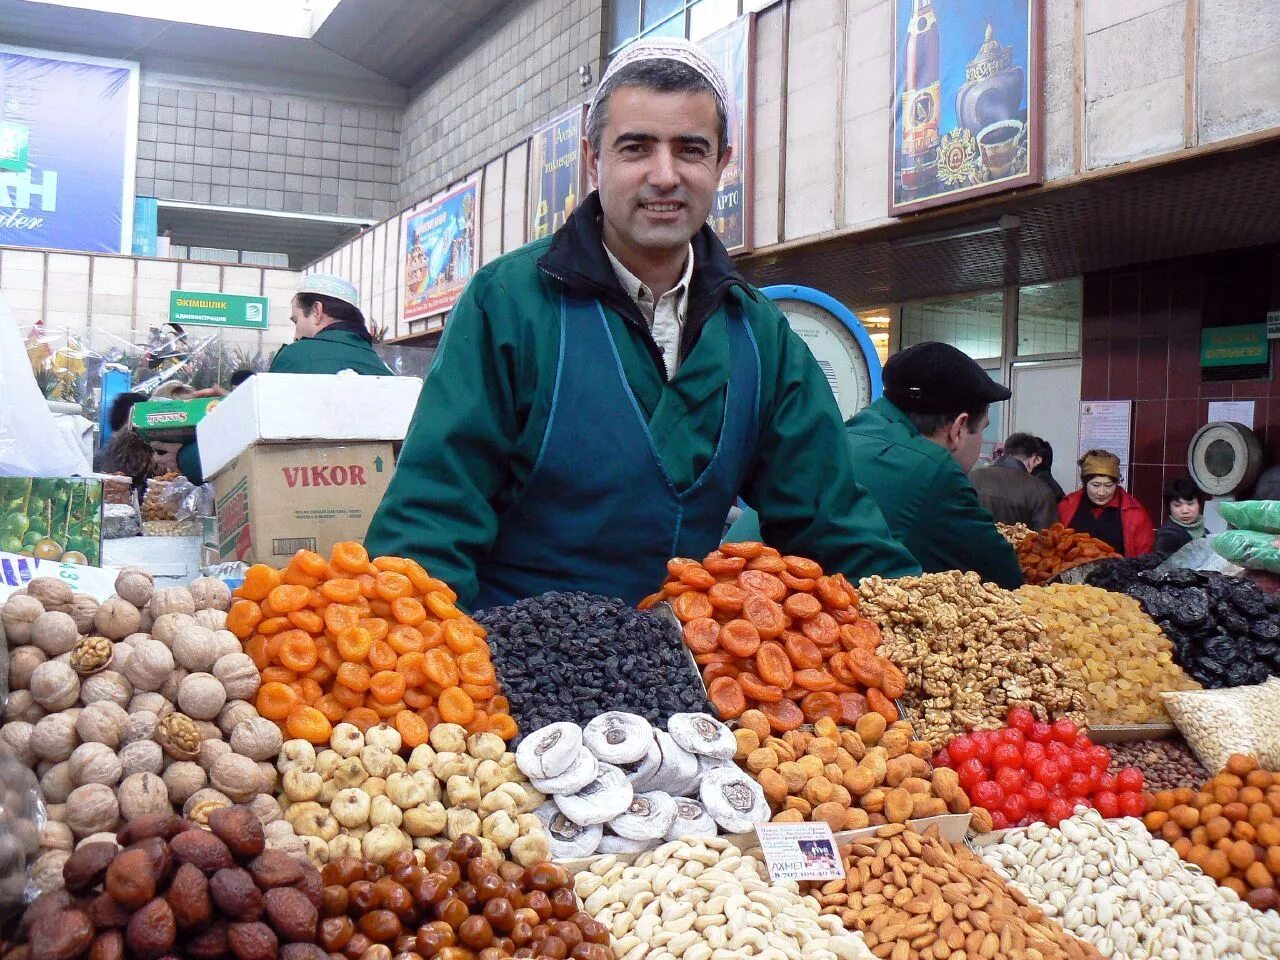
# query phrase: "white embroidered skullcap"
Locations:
[[327, 285], [665, 48]]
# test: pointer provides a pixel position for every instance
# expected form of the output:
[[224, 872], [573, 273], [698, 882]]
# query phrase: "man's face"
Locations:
[[306, 323], [963, 438], [657, 170]]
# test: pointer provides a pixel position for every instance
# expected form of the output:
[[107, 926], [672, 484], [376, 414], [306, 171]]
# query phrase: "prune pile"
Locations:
[[572, 656], [1225, 631], [456, 906], [178, 891], [1119, 575]]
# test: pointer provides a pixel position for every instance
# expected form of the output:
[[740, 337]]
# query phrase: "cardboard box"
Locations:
[[171, 421], [276, 499], [52, 518], [293, 407]]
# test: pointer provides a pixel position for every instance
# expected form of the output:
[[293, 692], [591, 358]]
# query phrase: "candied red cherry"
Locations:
[[1106, 803], [1064, 731], [1010, 779], [971, 773], [1040, 732], [1032, 754], [1014, 807], [984, 744], [998, 820], [1100, 757], [943, 758], [1011, 736], [987, 794], [1106, 781], [1082, 741], [1006, 755], [1020, 718], [1049, 772], [1078, 785], [1037, 795], [1132, 804], [962, 748], [1130, 779], [1057, 811]]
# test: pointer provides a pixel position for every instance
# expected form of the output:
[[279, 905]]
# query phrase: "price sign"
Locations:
[[800, 851]]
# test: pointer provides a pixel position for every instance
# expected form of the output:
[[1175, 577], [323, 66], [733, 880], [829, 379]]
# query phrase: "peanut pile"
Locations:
[[1104, 637], [969, 654], [915, 897]]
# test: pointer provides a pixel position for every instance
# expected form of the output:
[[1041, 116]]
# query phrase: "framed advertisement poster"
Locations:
[[968, 82], [557, 175], [733, 50], [440, 247]]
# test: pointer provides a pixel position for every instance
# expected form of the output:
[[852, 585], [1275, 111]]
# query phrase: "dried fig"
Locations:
[[291, 914], [252, 941], [131, 879], [236, 895], [152, 931], [88, 866], [240, 829], [188, 897], [61, 935], [204, 850], [275, 869]]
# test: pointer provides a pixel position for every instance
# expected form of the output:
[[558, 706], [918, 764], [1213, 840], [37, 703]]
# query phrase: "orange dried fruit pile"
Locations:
[[1058, 548], [777, 634], [364, 641]]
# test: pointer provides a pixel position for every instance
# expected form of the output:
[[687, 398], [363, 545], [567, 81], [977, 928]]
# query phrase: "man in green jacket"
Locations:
[[914, 448], [331, 334], [601, 397]]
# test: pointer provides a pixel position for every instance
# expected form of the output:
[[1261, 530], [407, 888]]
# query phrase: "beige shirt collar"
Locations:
[[666, 316]]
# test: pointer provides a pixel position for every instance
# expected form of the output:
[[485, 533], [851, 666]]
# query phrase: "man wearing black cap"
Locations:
[[913, 449]]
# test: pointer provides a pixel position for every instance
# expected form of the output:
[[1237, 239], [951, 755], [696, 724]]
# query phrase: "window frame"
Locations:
[[684, 13]]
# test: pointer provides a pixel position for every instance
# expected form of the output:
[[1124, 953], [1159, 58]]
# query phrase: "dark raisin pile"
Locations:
[[571, 656]]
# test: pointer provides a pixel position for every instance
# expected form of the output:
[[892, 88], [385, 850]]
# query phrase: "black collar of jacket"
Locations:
[[578, 260], [350, 326]]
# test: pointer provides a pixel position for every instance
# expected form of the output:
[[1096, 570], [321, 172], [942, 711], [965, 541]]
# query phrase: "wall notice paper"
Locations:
[[1236, 411], [1105, 425], [800, 851]]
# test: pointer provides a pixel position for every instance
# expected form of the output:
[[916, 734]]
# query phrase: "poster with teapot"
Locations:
[[968, 106], [557, 175]]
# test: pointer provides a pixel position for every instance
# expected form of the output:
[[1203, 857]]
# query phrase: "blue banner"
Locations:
[[146, 213], [77, 122]]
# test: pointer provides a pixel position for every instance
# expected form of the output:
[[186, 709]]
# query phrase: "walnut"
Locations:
[[266, 808], [143, 756], [56, 836], [51, 591], [210, 593], [139, 726], [16, 735], [56, 783], [117, 618], [135, 585], [54, 737], [54, 685], [202, 803], [91, 655], [55, 633], [235, 713], [178, 736], [83, 610], [201, 696], [236, 776], [172, 600], [92, 808], [22, 662], [169, 689], [95, 763], [143, 793], [167, 627], [107, 685], [212, 619], [210, 751], [20, 612], [183, 778], [21, 705], [192, 647], [258, 739], [102, 722], [238, 675], [46, 872], [151, 703]]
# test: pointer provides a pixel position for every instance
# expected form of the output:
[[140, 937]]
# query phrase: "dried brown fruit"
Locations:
[[88, 866], [236, 895], [131, 879], [61, 935], [108, 945], [275, 869], [208, 944], [302, 951], [157, 852], [291, 914], [44, 905], [202, 849], [106, 914], [188, 897], [240, 829], [311, 885], [152, 931], [252, 941], [166, 826]]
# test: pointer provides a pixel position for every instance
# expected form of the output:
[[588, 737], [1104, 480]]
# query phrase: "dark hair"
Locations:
[[1183, 488], [1022, 445], [340, 310], [1046, 453], [240, 376], [664, 76], [930, 423], [121, 407]]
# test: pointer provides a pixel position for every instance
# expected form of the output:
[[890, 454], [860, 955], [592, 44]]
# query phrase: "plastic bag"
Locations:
[[1196, 555], [16, 571], [1250, 549], [1218, 723], [22, 818], [1260, 515], [31, 445]]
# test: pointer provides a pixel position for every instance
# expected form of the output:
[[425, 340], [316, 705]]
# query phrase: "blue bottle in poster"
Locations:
[[921, 101]]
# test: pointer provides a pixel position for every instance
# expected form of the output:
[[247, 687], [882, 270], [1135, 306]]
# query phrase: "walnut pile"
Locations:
[[1015, 533], [969, 654]]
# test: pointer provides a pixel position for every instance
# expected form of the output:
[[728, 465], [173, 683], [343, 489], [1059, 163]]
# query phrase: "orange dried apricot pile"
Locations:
[[776, 634], [1055, 549], [1229, 828], [365, 641]]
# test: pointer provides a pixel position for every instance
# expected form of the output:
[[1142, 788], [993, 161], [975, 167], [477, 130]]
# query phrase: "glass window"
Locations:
[[656, 11], [1049, 318], [876, 323], [626, 18], [708, 16], [750, 6], [669, 28], [971, 324]]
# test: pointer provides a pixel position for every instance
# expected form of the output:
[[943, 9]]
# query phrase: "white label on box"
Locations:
[[800, 851]]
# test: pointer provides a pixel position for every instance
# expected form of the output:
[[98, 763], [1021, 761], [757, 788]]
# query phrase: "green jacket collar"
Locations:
[[885, 417]]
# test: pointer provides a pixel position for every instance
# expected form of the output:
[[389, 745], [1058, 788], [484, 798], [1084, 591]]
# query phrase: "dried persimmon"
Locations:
[[740, 638], [802, 606], [820, 704], [802, 651], [726, 697], [782, 716], [692, 605], [757, 690], [765, 615], [773, 665], [701, 635]]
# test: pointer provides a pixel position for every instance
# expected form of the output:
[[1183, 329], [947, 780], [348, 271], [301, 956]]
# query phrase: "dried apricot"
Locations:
[[333, 710], [860, 633], [701, 635], [866, 667], [354, 676], [354, 643], [697, 577], [726, 695], [817, 705], [307, 620], [774, 666], [802, 606], [339, 617], [455, 706], [441, 606], [803, 584], [714, 671], [765, 584], [727, 597], [783, 715], [770, 563], [893, 683], [757, 690], [852, 708], [765, 615], [363, 718], [243, 617], [476, 667], [308, 723], [459, 639], [816, 680], [440, 668], [349, 556], [822, 630], [386, 686], [259, 581], [412, 728], [693, 605], [386, 711], [278, 675], [297, 651], [403, 639], [289, 597], [877, 702], [273, 625], [275, 700], [392, 586], [503, 725], [721, 564], [834, 593], [347, 697], [740, 638], [381, 656]]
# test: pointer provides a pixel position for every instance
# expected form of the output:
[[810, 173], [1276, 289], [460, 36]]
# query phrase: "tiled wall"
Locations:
[[1141, 342], [521, 71], [243, 148]]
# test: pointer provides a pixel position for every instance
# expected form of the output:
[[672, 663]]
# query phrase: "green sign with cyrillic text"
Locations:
[[13, 146], [217, 310], [1234, 346]]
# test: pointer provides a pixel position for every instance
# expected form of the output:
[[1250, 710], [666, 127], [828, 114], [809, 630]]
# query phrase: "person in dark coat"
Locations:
[[1184, 503], [1007, 490], [1044, 471]]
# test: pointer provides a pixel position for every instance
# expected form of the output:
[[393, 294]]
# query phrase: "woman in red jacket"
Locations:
[[1104, 510]]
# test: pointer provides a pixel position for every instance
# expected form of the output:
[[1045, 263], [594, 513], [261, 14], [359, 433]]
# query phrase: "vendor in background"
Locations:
[[330, 332], [1184, 503], [1102, 509], [1008, 490], [601, 396], [1044, 471], [912, 449]]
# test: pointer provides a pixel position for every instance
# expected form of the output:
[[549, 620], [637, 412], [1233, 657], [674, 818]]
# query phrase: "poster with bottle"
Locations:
[[557, 175], [968, 82], [440, 243], [732, 49]]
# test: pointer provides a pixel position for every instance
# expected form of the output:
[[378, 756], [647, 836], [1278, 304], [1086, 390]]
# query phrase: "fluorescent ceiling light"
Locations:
[[286, 18]]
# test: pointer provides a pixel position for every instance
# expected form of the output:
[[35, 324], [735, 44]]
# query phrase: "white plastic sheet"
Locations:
[[31, 445]]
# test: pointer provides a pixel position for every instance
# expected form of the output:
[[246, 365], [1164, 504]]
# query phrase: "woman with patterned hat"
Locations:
[[1105, 510]]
